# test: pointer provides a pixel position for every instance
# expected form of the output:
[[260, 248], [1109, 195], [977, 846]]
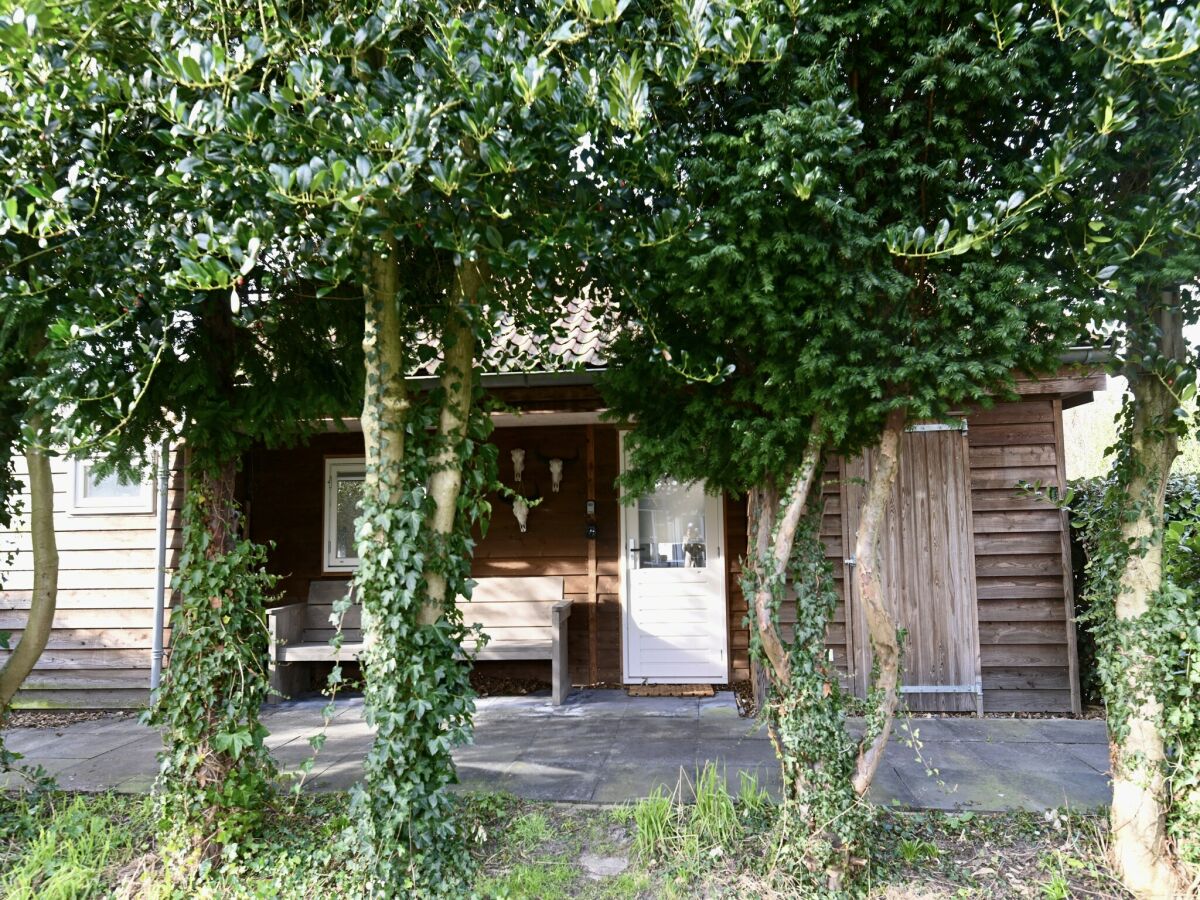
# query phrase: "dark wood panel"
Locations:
[[1017, 543], [1001, 566], [1014, 456], [1021, 588], [1040, 610], [1012, 413], [1010, 433], [1029, 678], [1007, 656], [1022, 633], [1004, 500], [1011, 477], [1026, 701], [1044, 519]]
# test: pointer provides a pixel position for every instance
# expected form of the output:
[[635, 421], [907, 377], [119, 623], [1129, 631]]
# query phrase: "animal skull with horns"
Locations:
[[556, 464], [521, 505], [521, 511]]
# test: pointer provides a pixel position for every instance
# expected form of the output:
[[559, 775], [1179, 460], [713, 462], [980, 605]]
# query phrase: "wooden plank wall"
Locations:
[[99, 650], [1021, 564], [284, 503], [286, 499], [1022, 569], [831, 534], [556, 543]]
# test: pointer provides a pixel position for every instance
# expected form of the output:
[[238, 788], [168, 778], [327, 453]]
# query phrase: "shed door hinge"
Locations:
[[850, 561]]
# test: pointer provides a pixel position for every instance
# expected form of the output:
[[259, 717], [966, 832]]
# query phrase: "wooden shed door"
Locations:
[[928, 565]]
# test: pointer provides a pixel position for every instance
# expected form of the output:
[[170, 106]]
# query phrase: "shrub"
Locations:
[[1175, 623], [1086, 505]]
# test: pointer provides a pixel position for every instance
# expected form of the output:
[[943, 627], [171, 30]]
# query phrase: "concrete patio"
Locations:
[[604, 747]]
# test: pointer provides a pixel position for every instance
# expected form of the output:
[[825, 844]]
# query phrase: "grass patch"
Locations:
[[713, 845], [549, 881], [71, 854]]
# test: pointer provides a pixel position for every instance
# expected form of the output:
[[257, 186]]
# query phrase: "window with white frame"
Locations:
[[343, 493], [92, 493]]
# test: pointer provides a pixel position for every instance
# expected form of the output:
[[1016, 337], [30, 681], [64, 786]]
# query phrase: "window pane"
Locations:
[[110, 487], [349, 496], [671, 530]]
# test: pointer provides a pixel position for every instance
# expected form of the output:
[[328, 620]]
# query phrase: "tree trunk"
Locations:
[[216, 482], [1139, 840], [45, 577], [881, 625], [458, 361], [385, 398], [773, 523]]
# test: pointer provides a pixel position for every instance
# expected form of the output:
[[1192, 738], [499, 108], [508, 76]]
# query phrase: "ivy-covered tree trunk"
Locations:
[[45, 577], [455, 379], [217, 775], [216, 779], [414, 561], [1139, 806], [802, 703], [881, 624], [773, 532]]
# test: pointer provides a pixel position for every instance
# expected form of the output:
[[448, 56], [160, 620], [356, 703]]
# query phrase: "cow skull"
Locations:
[[556, 466], [521, 511], [518, 458]]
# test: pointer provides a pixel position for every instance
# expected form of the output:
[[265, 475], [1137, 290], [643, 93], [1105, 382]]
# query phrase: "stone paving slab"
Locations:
[[604, 747]]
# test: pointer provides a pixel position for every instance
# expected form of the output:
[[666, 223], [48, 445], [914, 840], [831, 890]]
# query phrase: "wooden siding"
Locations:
[[286, 499], [1022, 566], [928, 571], [556, 542], [1022, 563], [836, 640], [99, 650]]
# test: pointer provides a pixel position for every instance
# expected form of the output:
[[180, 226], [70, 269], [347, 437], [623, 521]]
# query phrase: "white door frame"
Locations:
[[623, 586]]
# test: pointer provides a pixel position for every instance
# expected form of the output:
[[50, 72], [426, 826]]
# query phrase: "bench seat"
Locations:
[[524, 618]]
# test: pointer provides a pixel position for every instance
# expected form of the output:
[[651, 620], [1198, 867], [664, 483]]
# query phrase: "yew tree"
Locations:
[[788, 326]]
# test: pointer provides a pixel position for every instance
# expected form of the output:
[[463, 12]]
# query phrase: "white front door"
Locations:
[[674, 610]]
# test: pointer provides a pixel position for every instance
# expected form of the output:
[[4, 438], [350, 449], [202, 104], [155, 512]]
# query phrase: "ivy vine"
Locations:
[[826, 818], [417, 691], [216, 777], [1168, 633]]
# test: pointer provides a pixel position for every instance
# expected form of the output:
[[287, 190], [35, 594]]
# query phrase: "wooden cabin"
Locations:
[[980, 574], [100, 649]]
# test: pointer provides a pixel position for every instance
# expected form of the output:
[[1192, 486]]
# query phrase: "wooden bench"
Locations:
[[524, 618]]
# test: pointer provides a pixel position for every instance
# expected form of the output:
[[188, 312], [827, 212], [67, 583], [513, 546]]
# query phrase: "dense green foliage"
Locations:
[[786, 315], [1087, 497], [1171, 629], [395, 147], [786, 302], [825, 818]]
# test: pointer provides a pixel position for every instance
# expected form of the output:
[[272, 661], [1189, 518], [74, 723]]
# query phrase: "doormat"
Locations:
[[670, 690]]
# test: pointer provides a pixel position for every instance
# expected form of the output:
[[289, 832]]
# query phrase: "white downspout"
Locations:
[[160, 573]]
